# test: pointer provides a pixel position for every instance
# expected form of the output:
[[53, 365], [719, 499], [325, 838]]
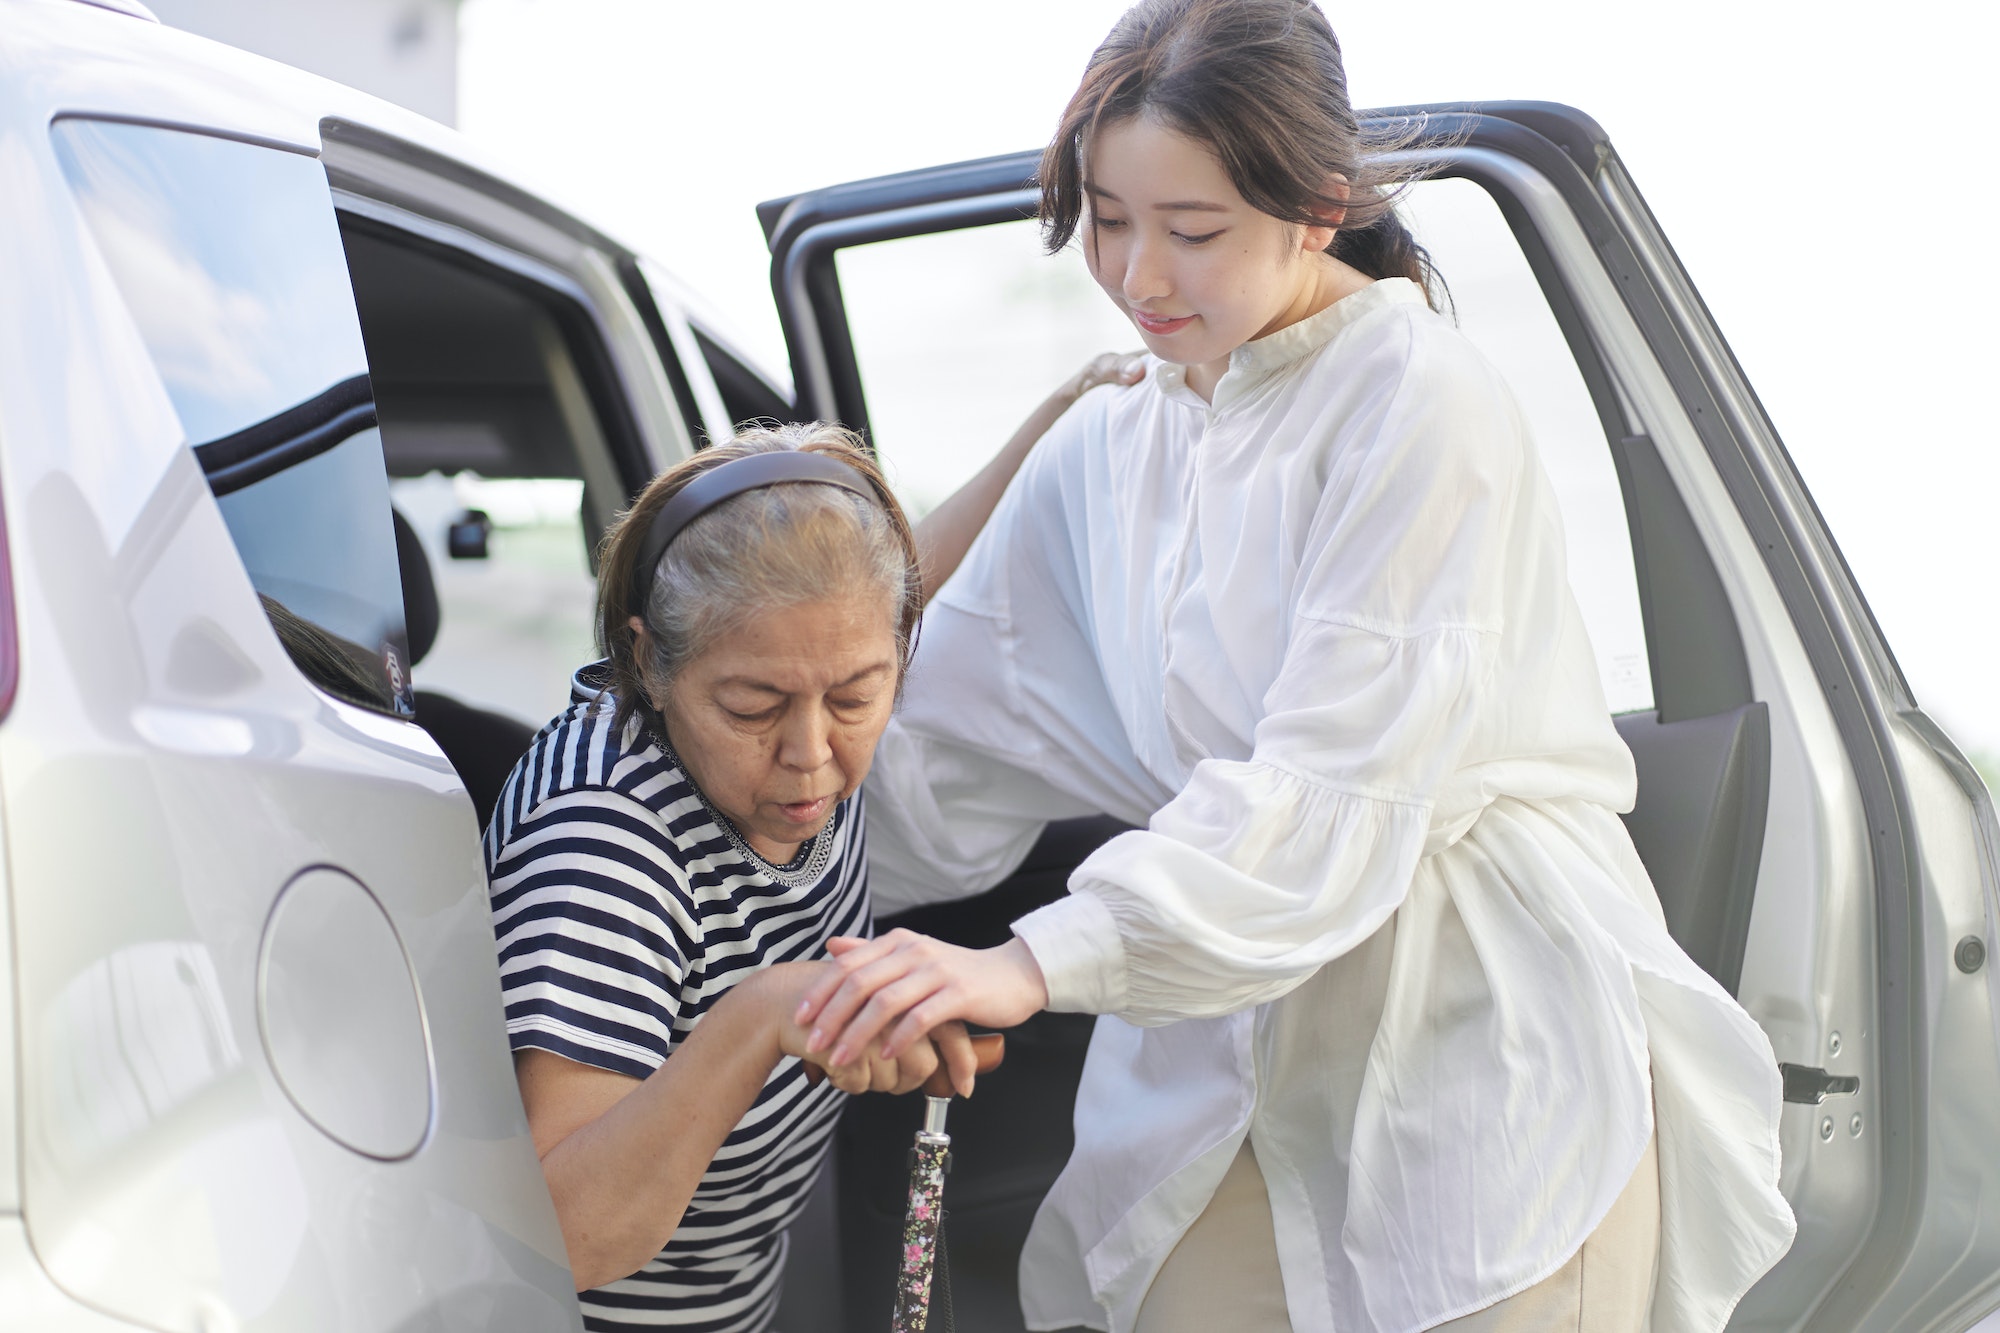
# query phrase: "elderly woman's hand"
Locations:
[[947, 1044], [914, 983]]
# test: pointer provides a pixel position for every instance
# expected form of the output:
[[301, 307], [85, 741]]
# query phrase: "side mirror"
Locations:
[[466, 539]]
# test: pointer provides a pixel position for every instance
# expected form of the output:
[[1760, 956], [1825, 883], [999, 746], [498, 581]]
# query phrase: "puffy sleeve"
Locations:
[[1261, 870], [987, 747]]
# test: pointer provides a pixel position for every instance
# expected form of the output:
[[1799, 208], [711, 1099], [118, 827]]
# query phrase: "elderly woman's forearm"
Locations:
[[621, 1183]]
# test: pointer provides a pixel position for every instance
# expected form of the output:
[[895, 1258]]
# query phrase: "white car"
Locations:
[[265, 340]]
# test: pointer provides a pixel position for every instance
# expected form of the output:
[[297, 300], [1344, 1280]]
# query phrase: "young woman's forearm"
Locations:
[[946, 533], [621, 1182]]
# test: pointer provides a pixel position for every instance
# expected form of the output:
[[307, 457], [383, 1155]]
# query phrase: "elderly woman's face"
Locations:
[[777, 721]]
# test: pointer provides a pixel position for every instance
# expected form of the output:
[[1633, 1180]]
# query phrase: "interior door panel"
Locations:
[[1704, 790]]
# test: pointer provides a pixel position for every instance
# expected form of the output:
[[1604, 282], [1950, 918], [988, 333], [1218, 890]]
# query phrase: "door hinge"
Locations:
[[1810, 1087]]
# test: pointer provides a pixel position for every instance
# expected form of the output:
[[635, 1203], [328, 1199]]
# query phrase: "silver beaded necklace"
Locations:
[[804, 869]]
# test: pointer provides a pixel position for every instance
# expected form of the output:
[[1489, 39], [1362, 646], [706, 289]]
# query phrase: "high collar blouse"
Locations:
[[1316, 638]]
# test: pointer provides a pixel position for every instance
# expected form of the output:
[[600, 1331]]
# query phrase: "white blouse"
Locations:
[[1318, 638]]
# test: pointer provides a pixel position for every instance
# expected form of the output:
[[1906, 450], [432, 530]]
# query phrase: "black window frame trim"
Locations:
[[560, 295]]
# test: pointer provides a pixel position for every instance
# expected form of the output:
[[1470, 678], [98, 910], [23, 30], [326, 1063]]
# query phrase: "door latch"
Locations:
[[1809, 1086]]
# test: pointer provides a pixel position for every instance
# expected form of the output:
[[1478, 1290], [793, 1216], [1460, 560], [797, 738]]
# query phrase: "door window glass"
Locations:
[[228, 258], [502, 464], [516, 613], [959, 335]]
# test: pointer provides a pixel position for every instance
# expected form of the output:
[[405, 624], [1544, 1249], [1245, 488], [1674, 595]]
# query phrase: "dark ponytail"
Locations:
[[1260, 83], [1386, 249]]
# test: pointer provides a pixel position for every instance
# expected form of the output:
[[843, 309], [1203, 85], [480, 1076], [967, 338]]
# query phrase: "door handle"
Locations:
[[1809, 1086]]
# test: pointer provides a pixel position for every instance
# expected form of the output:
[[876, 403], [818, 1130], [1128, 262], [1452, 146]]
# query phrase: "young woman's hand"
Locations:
[[870, 1070], [914, 983], [1106, 368]]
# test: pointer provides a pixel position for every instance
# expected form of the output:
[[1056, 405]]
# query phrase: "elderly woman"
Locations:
[[673, 853], [671, 856]]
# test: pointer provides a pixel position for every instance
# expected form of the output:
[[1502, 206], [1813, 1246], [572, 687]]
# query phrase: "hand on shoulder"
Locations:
[[1124, 368], [885, 994]]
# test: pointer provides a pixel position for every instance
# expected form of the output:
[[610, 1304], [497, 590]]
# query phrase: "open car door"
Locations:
[[1820, 847]]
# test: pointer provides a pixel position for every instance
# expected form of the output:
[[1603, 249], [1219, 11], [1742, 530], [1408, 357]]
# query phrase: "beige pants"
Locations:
[[1224, 1272]]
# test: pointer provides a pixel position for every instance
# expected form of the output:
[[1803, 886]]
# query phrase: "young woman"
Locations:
[[1396, 1037]]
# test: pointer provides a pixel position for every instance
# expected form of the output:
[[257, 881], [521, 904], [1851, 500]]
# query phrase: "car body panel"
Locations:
[[166, 773], [30, 1303]]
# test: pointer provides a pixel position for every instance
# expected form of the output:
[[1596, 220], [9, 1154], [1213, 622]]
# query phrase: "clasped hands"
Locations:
[[883, 1013]]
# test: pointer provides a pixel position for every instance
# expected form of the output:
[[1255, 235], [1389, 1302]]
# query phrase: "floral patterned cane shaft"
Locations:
[[920, 1231]]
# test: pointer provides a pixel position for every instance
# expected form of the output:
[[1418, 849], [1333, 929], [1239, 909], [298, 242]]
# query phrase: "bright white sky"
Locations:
[[1822, 169]]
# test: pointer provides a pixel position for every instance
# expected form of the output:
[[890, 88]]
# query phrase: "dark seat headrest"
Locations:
[[420, 598]]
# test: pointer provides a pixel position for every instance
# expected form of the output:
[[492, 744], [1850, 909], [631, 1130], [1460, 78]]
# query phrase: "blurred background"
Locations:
[[1822, 169]]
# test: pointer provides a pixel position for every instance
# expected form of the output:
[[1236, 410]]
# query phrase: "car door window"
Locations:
[[717, 388], [516, 621], [504, 456], [747, 394], [229, 260], [959, 334]]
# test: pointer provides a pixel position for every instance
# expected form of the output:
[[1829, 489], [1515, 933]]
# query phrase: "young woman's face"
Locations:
[[777, 721], [1198, 271]]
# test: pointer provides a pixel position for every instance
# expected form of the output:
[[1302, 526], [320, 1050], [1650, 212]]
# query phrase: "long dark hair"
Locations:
[[1260, 83]]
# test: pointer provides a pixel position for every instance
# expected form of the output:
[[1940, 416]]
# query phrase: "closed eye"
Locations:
[[1202, 239]]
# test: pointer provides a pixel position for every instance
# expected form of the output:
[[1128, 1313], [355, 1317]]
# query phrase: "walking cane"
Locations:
[[929, 1160]]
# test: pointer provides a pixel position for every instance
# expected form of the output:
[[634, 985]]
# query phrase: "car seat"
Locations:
[[482, 745]]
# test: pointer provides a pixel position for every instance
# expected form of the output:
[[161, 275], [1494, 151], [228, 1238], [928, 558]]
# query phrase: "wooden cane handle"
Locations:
[[988, 1049]]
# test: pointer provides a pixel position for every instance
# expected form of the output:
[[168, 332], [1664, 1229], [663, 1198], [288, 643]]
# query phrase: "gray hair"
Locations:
[[772, 547]]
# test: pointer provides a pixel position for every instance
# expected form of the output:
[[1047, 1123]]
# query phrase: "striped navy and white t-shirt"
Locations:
[[625, 907]]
